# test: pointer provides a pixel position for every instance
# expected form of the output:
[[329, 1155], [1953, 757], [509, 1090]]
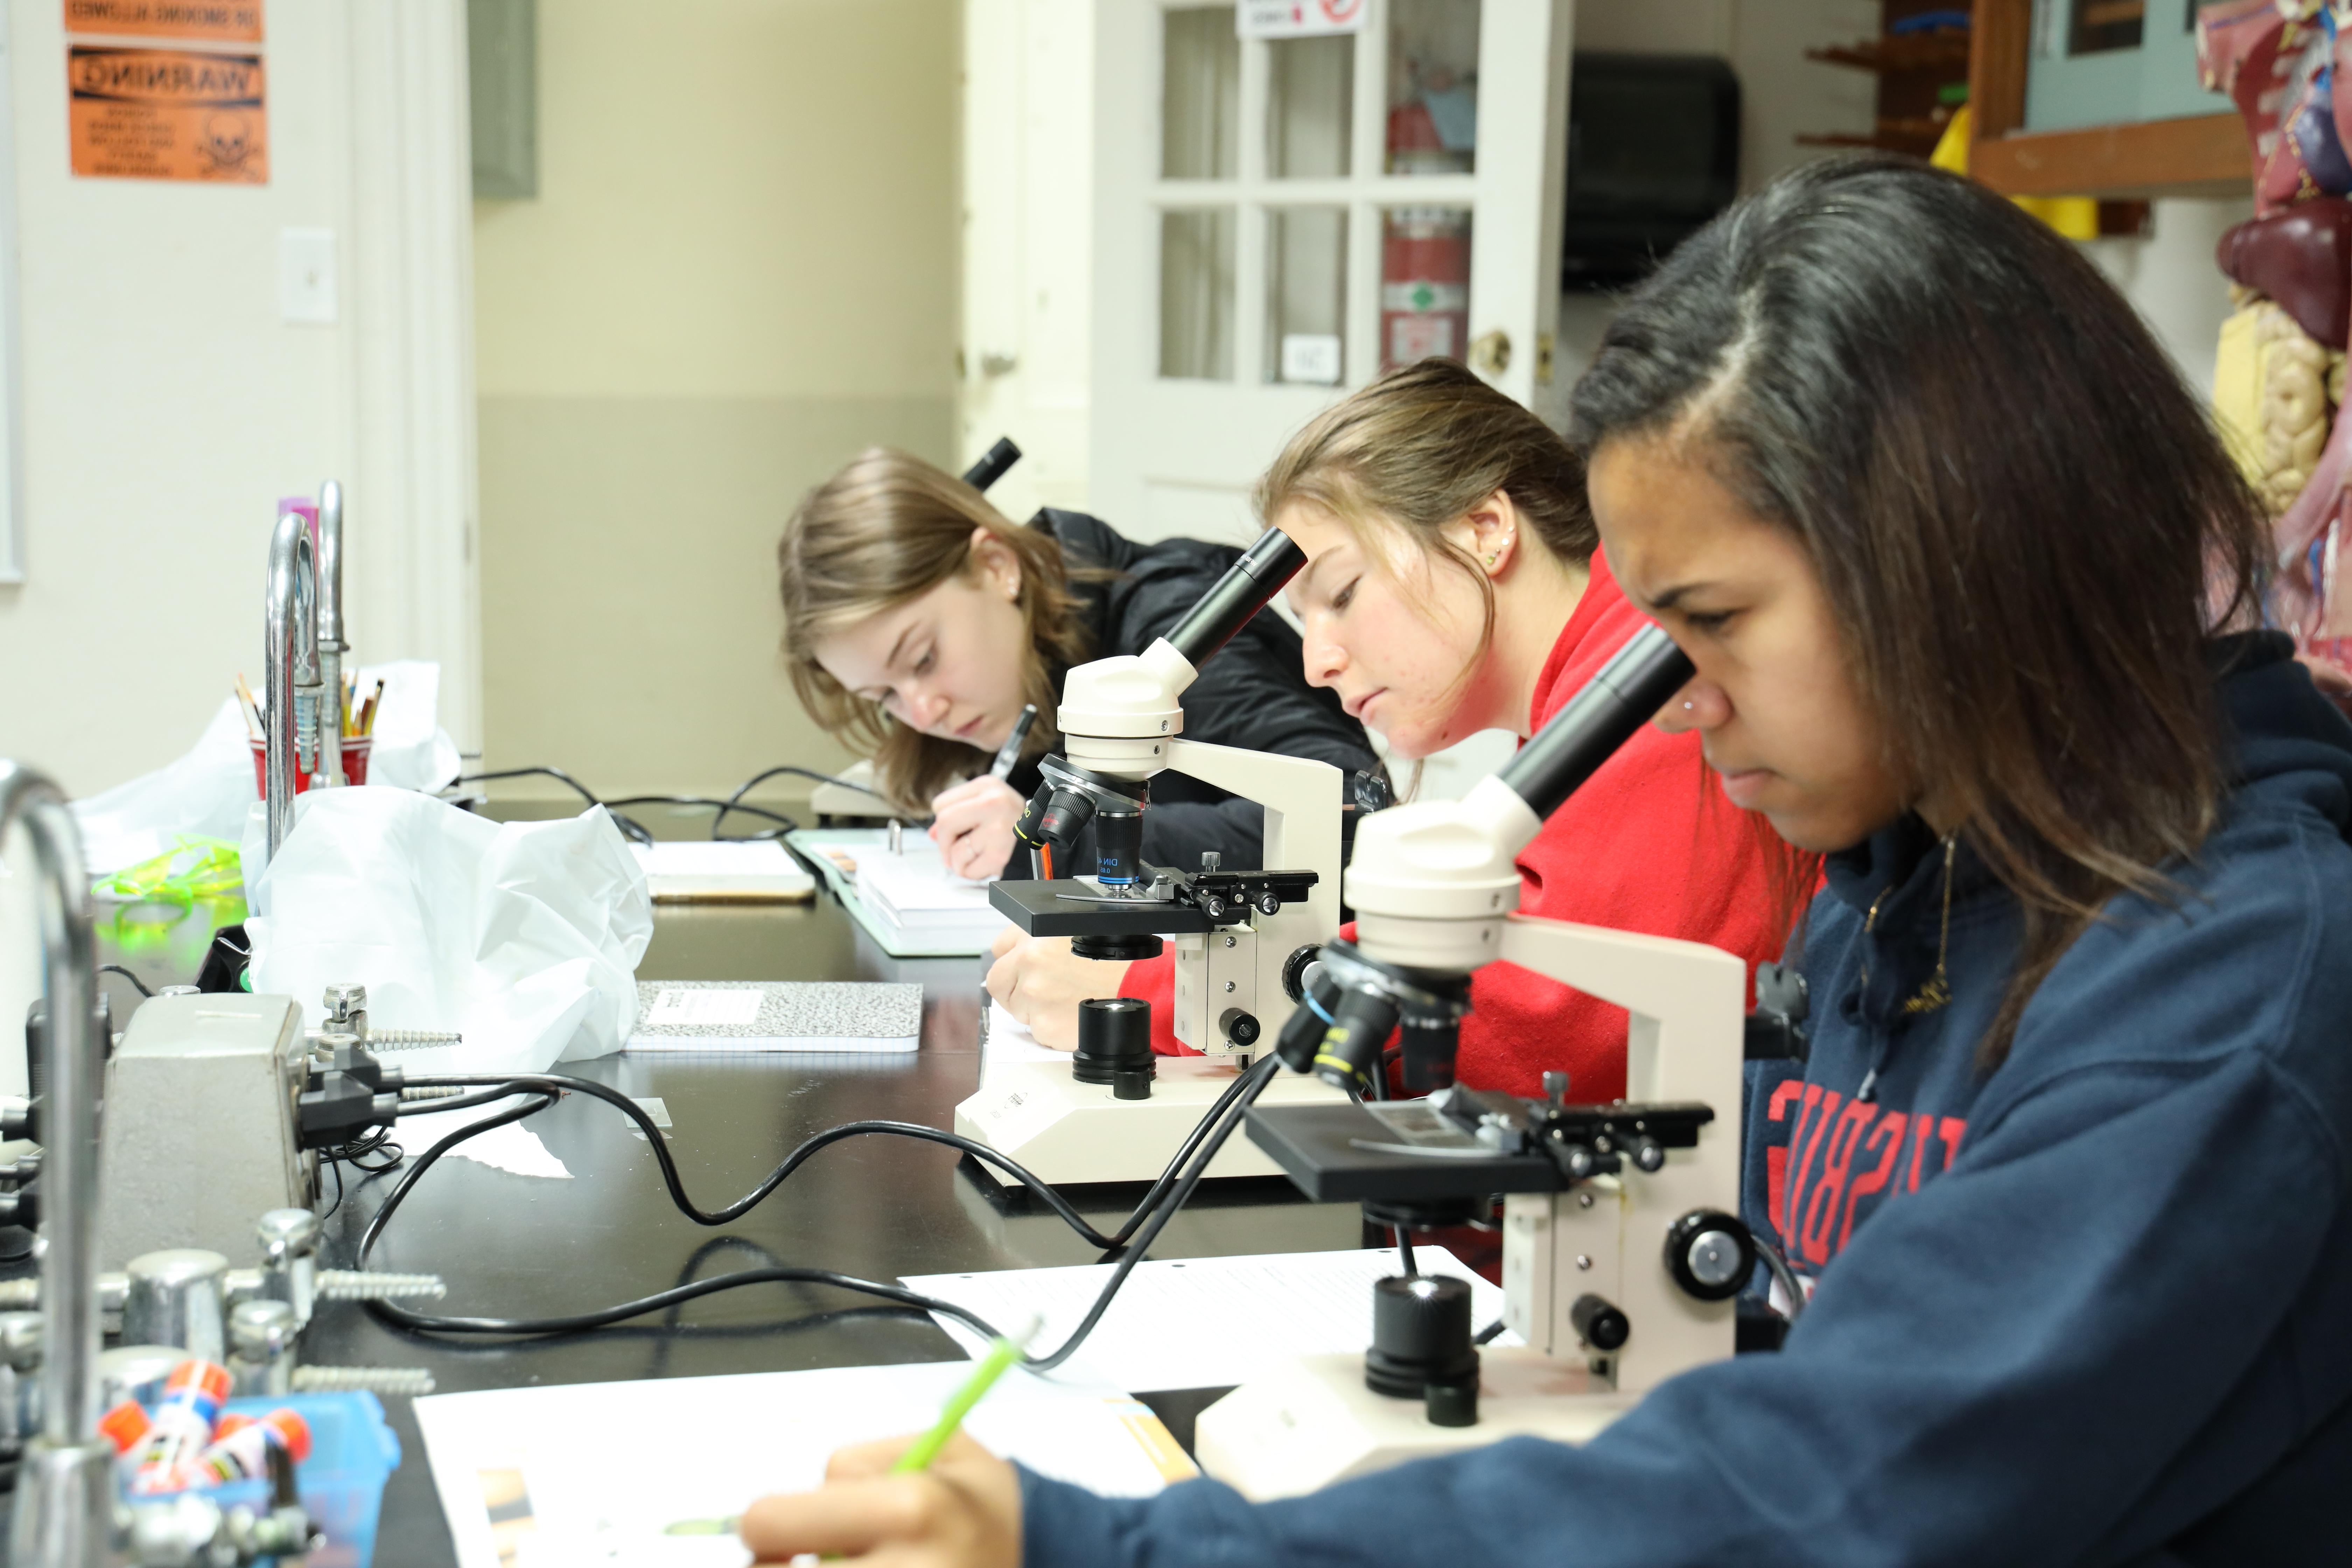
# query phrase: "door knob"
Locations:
[[1490, 353]]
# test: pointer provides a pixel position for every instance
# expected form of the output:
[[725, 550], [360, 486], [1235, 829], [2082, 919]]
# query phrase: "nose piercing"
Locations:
[[1686, 706]]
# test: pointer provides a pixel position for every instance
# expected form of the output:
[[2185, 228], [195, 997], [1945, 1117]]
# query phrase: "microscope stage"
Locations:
[[1323, 1150], [1071, 906]]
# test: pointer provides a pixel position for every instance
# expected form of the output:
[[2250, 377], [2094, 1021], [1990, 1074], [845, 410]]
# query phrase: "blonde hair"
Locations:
[[1423, 446], [886, 529]]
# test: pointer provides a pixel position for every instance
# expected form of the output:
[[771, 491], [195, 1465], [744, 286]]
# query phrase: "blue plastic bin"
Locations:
[[353, 1453]]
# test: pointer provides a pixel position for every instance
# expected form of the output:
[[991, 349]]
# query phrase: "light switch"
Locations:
[[306, 275]]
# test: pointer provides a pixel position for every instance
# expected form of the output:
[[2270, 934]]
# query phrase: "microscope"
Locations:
[[1623, 1248], [1244, 938]]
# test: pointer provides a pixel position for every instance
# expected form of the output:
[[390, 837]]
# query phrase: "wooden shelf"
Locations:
[[2202, 155], [2198, 155], [1946, 50]]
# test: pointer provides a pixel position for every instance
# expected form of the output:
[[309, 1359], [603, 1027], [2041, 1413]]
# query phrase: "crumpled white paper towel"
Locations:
[[523, 935], [208, 790]]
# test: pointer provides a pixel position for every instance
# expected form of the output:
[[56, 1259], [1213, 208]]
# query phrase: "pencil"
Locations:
[[252, 710], [925, 1448]]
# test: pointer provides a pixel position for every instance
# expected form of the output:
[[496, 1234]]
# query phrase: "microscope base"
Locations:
[[1070, 1134], [1314, 1422]]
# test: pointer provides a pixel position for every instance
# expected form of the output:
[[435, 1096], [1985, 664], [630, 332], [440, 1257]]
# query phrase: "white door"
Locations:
[[1277, 219]]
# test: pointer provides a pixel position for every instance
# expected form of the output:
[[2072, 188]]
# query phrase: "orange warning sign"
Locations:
[[167, 114], [213, 21]]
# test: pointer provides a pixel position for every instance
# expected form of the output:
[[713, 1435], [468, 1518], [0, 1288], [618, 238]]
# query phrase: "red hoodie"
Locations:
[[1647, 845]]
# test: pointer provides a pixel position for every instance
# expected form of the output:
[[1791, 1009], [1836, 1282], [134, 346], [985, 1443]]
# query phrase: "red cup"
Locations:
[[355, 766]]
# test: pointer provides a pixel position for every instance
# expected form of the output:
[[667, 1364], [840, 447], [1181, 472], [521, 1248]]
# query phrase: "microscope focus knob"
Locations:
[[1598, 1323], [1710, 1254], [1294, 969]]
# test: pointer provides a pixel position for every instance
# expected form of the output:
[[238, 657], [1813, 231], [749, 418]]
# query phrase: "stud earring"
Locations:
[[1689, 706], [1494, 557]]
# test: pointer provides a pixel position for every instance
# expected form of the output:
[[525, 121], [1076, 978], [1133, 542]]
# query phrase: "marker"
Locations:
[[1009, 753], [919, 1454]]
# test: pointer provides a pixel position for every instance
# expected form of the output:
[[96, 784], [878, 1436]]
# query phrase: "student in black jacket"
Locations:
[[918, 621]]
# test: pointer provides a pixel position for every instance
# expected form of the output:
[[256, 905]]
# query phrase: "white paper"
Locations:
[[706, 1009], [513, 1148], [684, 868], [1009, 1039], [1198, 1323], [524, 936], [600, 1472]]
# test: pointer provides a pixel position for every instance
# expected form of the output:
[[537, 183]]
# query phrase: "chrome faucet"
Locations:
[[331, 646], [65, 1489], [290, 653]]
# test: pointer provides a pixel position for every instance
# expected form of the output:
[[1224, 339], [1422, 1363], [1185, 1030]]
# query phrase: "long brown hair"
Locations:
[[2019, 514], [1422, 446], [889, 528]]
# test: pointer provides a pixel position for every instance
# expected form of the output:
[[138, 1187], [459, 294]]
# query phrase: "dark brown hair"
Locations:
[[2019, 514], [889, 528]]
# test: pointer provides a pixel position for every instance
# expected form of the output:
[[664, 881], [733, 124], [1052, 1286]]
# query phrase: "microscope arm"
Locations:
[[1301, 797]]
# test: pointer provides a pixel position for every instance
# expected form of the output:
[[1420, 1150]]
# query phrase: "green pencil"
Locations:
[[925, 1448]]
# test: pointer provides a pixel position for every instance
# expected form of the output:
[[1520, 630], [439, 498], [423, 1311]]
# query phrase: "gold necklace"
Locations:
[[1937, 990]]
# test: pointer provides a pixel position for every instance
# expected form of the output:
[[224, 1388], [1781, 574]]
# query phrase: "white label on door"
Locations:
[[1296, 19], [1312, 358]]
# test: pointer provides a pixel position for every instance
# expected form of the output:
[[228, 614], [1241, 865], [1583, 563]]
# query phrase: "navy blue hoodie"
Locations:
[[2095, 1307]]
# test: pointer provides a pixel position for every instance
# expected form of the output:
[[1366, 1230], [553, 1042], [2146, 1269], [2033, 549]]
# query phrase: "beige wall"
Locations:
[[739, 268]]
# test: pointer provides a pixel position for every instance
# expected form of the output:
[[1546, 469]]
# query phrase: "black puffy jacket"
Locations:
[[1252, 694]]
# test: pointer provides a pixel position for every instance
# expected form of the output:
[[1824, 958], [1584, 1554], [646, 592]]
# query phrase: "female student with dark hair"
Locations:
[[918, 621], [1958, 559], [1454, 584]]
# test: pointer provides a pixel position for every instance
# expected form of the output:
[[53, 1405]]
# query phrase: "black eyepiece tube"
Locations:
[[992, 464], [1617, 701], [1240, 594]]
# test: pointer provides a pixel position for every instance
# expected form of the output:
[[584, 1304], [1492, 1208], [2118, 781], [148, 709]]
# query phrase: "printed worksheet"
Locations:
[[652, 1473]]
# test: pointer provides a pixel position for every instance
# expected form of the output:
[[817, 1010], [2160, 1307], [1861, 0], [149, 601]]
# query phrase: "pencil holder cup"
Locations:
[[355, 764]]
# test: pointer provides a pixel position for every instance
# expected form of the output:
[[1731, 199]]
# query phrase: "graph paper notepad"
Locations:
[[777, 1015]]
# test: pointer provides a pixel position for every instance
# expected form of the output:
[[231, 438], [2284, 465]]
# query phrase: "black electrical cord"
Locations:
[[499, 1088], [540, 1092], [636, 831], [136, 983], [783, 824]]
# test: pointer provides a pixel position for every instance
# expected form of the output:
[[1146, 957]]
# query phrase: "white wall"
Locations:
[[730, 282], [167, 406]]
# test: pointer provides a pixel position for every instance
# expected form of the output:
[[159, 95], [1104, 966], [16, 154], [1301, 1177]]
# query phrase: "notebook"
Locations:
[[699, 871], [777, 1015], [917, 907]]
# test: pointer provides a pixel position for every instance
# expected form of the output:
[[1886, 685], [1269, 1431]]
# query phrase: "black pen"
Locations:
[[1009, 753]]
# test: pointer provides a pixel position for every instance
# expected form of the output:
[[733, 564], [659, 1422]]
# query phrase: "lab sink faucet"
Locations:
[[332, 645], [291, 727], [65, 1486]]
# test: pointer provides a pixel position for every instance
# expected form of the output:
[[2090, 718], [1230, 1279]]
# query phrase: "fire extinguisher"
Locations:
[[1425, 285]]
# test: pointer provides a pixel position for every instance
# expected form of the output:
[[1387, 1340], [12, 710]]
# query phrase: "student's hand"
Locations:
[[973, 825], [1041, 981], [963, 1512]]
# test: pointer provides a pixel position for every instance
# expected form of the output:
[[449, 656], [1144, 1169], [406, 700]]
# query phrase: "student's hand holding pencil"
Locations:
[[964, 1511]]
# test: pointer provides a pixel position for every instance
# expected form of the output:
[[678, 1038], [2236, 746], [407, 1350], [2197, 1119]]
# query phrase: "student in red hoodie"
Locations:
[[1454, 583]]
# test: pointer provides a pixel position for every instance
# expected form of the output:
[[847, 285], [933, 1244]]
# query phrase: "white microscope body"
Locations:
[[1434, 888], [1122, 719]]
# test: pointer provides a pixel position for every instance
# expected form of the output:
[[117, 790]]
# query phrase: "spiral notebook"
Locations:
[[777, 1015]]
